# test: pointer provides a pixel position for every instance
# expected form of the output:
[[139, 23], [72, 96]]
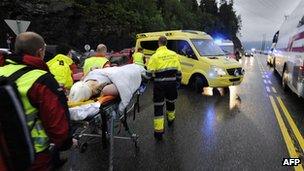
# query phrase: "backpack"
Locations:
[[16, 146]]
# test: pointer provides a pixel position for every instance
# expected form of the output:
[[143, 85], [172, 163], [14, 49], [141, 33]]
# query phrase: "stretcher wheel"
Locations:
[[83, 147], [137, 148], [135, 140]]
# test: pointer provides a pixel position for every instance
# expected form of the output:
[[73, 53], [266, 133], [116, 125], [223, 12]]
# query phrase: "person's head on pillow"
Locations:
[[80, 91]]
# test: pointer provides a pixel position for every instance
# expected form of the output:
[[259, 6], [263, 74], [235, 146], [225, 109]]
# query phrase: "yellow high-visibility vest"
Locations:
[[93, 63], [24, 83], [138, 58], [60, 67], [163, 59]]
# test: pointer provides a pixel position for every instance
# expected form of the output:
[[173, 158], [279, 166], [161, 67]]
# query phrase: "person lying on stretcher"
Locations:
[[92, 86], [114, 81]]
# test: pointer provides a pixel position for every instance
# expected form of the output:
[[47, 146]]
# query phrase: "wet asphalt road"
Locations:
[[235, 130]]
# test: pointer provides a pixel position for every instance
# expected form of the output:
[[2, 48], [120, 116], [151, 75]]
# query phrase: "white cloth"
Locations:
[[126, 78], [79, 113], [100, 78]]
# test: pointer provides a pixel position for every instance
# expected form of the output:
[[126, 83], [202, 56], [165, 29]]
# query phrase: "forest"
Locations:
[[116, 22]]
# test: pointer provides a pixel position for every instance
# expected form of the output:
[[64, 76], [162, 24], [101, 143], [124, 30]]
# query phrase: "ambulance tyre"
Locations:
[[226, 90], [199, 82]]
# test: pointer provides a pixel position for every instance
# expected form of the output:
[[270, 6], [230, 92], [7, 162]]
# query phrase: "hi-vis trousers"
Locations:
[[163, 93]]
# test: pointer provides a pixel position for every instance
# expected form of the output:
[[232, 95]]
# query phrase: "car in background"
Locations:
[[5, 50], [289, 54], [122, 57], [248, 54]]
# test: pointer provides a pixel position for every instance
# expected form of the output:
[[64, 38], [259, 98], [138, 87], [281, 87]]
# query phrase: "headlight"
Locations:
[[216, 71]]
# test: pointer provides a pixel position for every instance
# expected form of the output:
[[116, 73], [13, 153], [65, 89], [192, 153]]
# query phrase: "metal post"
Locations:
[[18, 26], [111, 150]]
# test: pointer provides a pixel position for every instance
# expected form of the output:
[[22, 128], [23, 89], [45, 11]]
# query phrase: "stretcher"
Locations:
[[106, 124]]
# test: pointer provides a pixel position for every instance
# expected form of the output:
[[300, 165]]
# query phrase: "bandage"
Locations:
[[80, 91]]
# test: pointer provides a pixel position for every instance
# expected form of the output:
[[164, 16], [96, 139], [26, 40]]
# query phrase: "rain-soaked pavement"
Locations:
[[215, 131]]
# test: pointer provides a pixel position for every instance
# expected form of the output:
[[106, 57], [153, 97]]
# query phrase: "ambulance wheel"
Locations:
[[199, 83], [226, 90]]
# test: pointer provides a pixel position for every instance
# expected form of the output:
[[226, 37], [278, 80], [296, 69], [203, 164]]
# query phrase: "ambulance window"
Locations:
[[149, 45], [171, 44], [184, 48]]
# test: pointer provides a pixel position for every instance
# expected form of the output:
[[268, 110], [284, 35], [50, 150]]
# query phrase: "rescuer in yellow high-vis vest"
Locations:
[[26, 81], [99, 60], [165, 68], [138, 57], [60, 67], [44, 103]]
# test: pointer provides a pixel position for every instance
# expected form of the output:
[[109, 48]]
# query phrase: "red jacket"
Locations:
[[51, 102]]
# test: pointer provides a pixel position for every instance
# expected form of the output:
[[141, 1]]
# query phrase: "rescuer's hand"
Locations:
[[75, 143]]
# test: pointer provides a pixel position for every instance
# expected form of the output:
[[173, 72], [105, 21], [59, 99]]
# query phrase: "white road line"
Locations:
[[269, 82], [274, 90], [268, 89], [265, 81]]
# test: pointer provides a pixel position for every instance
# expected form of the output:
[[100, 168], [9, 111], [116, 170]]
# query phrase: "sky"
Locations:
[[262, 17]]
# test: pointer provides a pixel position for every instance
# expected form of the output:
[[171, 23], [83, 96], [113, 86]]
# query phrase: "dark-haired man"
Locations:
[[164, 67], [62, 66]]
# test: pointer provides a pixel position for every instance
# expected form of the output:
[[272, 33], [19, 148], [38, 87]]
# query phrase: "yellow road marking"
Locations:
[[290, 147], [274, 90], [292, 124]]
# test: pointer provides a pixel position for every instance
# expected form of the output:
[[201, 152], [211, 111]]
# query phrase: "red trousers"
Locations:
[[43, 162]]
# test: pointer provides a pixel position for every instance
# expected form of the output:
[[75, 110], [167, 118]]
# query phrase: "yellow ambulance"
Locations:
[[203, 62]]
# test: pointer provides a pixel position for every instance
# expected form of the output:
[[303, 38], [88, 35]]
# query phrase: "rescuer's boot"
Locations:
[[158, 135], [170, 117], [159, 127]]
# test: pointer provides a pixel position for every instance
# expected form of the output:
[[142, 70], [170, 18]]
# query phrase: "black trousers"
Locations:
[[164, 93]]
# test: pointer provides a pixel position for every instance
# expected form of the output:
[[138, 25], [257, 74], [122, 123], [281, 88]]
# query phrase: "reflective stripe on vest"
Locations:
[[93, 63], [24, 83]]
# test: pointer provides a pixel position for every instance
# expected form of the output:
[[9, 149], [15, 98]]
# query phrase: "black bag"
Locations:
[[17, 148]]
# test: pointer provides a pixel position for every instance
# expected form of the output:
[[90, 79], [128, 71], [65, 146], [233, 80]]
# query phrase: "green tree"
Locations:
[[231, 22], [209, 6]]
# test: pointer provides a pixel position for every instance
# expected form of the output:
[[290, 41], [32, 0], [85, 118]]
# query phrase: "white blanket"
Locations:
[[126, 78], [79, 113]]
